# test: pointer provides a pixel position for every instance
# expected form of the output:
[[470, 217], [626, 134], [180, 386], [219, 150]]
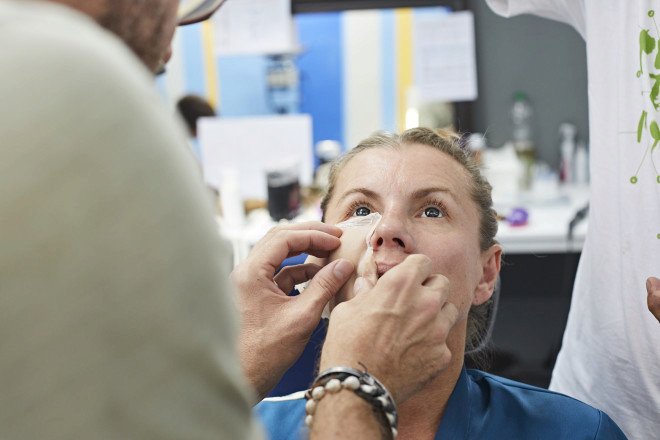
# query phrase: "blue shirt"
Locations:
[[482, 406]]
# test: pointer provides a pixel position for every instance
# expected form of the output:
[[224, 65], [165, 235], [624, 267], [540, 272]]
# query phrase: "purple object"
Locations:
[[518, 217]]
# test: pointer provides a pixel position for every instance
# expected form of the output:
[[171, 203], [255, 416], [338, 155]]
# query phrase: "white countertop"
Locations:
[[548, 222]]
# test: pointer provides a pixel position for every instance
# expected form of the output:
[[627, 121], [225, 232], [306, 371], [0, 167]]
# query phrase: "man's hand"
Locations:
[[275, 327], [653, 298], [398, 328]]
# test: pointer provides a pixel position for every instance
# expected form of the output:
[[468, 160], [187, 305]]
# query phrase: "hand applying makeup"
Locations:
[[276, 327]]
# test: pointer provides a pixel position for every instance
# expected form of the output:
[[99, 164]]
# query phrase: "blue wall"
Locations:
[[321, 73]]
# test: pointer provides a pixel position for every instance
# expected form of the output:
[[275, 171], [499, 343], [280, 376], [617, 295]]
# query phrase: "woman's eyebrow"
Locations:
[[364, 191], [425, 192]]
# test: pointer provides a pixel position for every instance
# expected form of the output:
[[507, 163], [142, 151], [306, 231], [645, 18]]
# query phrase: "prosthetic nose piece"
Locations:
[[368, 220]]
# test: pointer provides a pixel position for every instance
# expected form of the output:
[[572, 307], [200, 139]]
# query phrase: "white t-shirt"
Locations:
[[610, 356]]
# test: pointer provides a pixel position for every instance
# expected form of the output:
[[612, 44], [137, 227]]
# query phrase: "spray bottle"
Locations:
[[522, 136]]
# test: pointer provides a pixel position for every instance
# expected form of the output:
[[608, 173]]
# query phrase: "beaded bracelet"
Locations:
[[361, 383]]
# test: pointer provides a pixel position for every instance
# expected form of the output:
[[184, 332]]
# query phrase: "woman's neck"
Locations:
[[421, 414]]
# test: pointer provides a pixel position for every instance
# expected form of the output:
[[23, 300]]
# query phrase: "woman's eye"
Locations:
[[362, 211], [432, 211]]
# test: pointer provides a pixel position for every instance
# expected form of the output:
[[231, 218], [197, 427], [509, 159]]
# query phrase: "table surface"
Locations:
[[547, 229]]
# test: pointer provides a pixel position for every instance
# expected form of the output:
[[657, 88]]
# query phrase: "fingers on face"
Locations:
[[290, 276], [326, 283], [284, 242], [310, 226], [448, 317], [435, 293], [406, 276], [316, 243], [437, 282]]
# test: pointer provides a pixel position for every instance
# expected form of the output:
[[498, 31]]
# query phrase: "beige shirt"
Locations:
[[115, 309]]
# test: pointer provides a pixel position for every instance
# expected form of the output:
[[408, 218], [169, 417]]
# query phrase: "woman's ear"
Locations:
[[491, 260]]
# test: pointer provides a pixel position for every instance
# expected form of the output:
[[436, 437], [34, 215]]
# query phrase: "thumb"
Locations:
[[327, 282]]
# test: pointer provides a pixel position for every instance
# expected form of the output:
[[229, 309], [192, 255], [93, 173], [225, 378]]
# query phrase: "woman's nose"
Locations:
[[391, 232]]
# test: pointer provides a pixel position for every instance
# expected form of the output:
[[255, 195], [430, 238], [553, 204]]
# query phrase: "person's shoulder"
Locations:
[[95, 93], [541, 411], [282, 417], [58, 43]]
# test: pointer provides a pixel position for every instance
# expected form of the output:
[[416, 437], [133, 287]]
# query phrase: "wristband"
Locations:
[[361, 383]]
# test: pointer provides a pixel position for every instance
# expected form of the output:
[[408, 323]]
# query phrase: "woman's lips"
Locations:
[[384, 267]]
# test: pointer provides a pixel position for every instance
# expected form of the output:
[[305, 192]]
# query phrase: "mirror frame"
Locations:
[[298, 6]]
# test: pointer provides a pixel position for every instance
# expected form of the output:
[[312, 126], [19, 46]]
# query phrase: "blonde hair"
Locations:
[[447, 142]]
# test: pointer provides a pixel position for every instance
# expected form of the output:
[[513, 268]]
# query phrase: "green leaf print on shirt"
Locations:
[[655, 90], [648, 130], [646, 46], [641, 126], [655, 133]]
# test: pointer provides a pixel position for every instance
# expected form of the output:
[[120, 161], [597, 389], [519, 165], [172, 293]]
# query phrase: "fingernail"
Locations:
[[652, 284], [359, 285], [342, 269]]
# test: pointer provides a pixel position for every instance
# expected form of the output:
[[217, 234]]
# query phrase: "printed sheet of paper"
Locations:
[[444, 54], [254, 27], [251, 146]]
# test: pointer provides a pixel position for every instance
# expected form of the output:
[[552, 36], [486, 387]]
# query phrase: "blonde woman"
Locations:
[[432, 200]]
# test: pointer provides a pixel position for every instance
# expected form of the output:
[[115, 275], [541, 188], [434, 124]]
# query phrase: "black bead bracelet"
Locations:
[[361, 383]]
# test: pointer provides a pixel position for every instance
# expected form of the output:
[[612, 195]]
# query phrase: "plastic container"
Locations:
[[521, 116], [283, 192], [522, 136]]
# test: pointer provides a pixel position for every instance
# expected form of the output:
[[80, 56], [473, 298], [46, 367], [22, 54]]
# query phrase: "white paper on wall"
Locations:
[[254, 27], [444, 57], [253, 145]]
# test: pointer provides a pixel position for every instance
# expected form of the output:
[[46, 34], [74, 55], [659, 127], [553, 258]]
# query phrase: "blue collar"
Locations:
[[455, 422], [482, 406]]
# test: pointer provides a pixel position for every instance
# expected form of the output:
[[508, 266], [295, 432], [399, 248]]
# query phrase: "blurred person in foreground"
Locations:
[[116, 316]]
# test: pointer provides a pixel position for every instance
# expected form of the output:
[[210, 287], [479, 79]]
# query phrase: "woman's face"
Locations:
[[422, 196]]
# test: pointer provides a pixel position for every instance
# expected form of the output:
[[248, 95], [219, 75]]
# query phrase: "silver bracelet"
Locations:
[[361, 383]]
